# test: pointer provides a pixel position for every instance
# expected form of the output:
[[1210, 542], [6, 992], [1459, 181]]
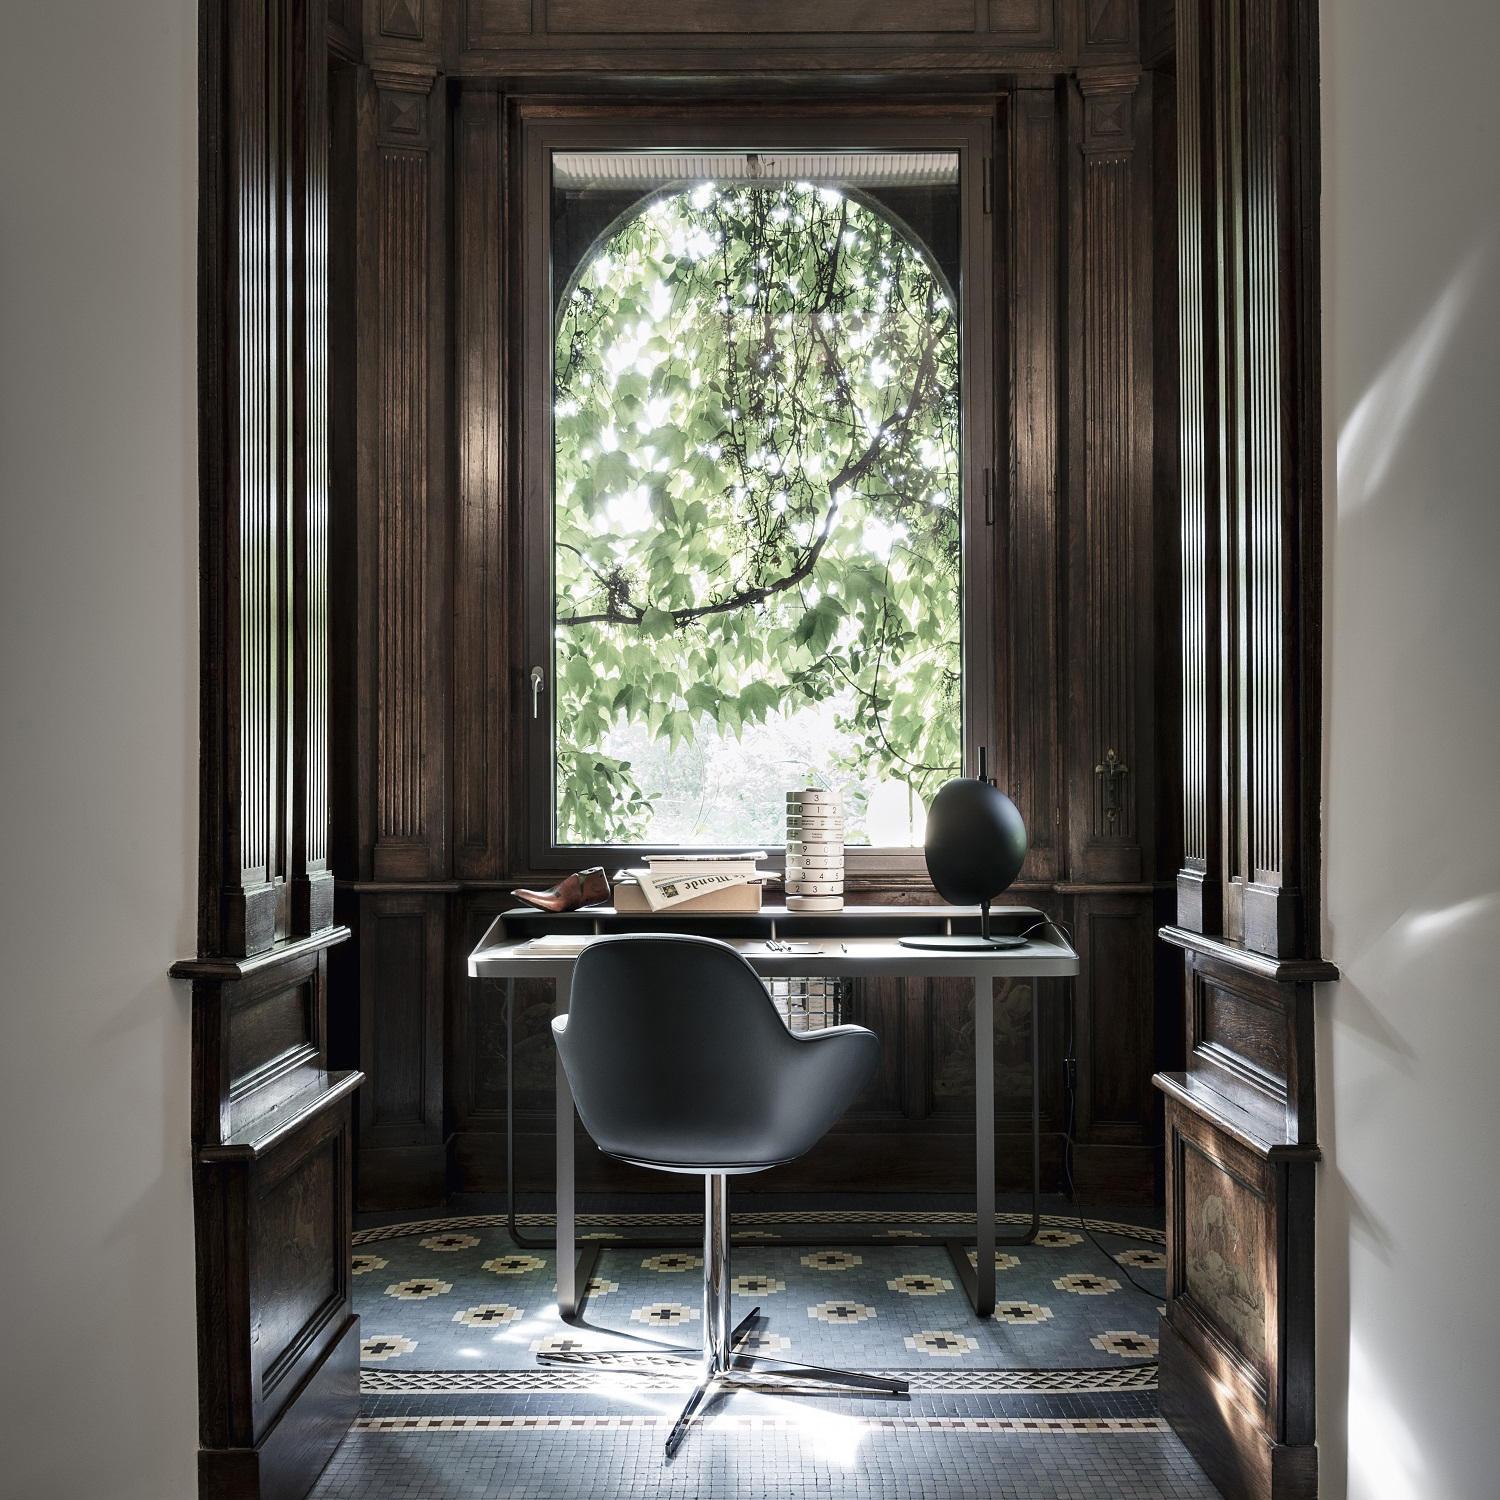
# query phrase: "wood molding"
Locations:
[[484, 606], [240, 457], [1029, 685], [1110, 736], [264, 819], [272, 1190], [1251, 465], [308, 134], [274, 1300], [1158, 32], [402, 963], [1237, 1338], [402, 476], [726, 38], [1200, 880]]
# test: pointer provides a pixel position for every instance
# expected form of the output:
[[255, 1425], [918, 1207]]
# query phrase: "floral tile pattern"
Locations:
[[459, 1296]]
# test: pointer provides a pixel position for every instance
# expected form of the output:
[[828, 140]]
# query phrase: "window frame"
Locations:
[[543, 128]]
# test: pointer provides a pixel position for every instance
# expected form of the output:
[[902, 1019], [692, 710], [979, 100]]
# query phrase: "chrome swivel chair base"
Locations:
[[722, 1363]]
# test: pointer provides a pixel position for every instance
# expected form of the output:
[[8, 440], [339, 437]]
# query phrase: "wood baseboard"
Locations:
[[287, 1461], [846, 1161], [1228, 1441], [388, 1177]]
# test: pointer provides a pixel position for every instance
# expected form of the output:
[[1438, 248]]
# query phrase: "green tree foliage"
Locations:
[[757, 490]]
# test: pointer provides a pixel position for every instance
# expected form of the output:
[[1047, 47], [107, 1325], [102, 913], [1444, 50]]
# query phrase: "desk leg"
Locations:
[[1028, 1234], [567, 1226], [979, 1279]]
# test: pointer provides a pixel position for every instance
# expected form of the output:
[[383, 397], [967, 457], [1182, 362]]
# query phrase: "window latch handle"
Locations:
[[538, 678]]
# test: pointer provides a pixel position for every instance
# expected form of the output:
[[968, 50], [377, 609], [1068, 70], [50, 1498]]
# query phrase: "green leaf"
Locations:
[[656, 623]]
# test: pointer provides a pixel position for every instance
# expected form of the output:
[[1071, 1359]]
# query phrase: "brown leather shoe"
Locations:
[[584, 888]]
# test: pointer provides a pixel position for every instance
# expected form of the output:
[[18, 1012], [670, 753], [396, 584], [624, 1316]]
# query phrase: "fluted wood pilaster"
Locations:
[[1110, 736], [1028, 685], [402, 478]]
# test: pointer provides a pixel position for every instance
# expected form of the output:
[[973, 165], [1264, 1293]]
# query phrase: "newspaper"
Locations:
[[663, 891]]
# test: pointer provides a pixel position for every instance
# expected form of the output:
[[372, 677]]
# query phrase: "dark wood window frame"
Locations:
[[969, 132]]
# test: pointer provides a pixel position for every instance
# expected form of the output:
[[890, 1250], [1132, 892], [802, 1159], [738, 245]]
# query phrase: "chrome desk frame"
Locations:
[[499, 955]]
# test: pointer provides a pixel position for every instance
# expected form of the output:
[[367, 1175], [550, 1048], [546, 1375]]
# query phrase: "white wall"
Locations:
[[1409, 1041], [98, 746]]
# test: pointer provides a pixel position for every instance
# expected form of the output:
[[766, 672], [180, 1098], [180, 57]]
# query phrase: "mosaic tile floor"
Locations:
[[1054, 1397], [457, 1295], [726, 1462]]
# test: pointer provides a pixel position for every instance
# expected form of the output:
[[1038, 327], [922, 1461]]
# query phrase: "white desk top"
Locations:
[[553, 956]]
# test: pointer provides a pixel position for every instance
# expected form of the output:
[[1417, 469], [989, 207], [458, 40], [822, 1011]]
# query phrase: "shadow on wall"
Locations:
[[1408, 1041]]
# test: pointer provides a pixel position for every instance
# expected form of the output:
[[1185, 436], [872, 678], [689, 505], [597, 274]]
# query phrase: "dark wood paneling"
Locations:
[[1110, 27], [1115, 1002], [482, 601], [240, 453], [344, 29], [275, 1319], [286, 1465], [1110, 734], [1250, 1035], [402, 963], [1251, 457], [1237, 1337], [664, 39], [1029, 681], [299, 1265], [403, 488], [1158, 31], [928, 1070], [402, 20], [1036, 23], [1200, 880], [487, 23], [308, 136], [277, 1339], [263, 476], [750, 17]]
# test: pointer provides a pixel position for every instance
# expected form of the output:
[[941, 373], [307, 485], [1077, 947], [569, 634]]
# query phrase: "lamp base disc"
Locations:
[[954, 942]]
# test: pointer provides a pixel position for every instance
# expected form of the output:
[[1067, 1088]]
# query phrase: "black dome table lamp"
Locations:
[[975, 846]]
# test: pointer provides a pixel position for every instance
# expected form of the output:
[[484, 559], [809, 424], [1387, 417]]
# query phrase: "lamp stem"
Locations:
[[984, 920]]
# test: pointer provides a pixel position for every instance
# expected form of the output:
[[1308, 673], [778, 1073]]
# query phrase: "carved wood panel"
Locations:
[[401, 20], [1029, 679], [403, 490], [1109, 26], [1251, 457], [263, 467], [299, 1267], [1199, 882], [1035, 22], [1221, 1271], [487, 23], [748, 17], [1240, 1301], [483, 606], [1109, 543], [402, 965], [312, 874], [248, 448]]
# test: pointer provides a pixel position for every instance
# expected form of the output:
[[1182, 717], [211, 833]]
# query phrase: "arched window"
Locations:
[[757, 576]]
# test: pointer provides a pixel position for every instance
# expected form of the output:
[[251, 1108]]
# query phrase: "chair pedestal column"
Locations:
[[716, 1292]]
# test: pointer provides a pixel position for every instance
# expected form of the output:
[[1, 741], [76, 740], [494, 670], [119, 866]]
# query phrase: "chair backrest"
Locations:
[[678, 1058]]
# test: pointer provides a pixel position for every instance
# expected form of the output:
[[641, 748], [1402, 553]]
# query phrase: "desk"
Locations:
[[860, 942]]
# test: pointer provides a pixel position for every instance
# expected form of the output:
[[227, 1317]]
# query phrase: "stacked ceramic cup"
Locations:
[[814, 850]]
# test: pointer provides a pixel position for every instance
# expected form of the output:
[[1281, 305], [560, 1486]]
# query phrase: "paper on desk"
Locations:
[[555, 945]]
